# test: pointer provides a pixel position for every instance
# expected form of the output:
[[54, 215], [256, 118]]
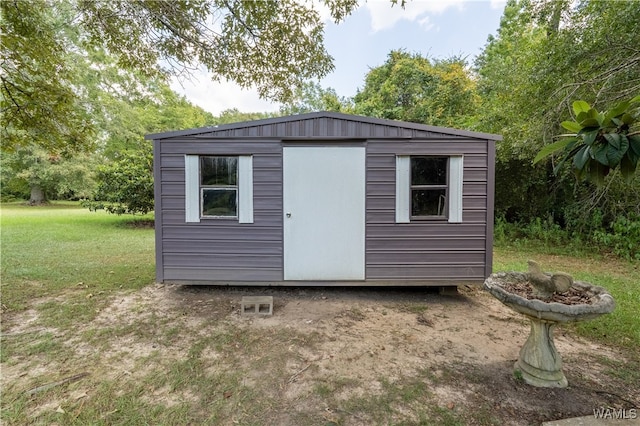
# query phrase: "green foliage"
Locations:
[[124, 106], [156, 109], [57, 86], [233, 115], [524, 192], [623, 239], [410, 87], [39, 101], [544, 235], [545, 55], [57, 176], [125, 186], [312, 97], [510, 103], [586, 236], [599, 142], [273, 46], [125, 181]]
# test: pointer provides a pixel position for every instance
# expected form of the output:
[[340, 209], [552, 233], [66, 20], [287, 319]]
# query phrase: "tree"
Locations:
[[410, 87], [545, 55], [312, 97], [273, 46], [125, 181], [509, 96], [121, 107], [234, 115], [40, 176], [600, 141], [40, 105], [125, 185], [125, 120]]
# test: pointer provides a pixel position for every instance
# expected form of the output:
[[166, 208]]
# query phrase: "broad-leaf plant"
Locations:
[[599, 141]]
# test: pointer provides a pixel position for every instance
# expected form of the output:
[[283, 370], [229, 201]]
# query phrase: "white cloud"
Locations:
[[216, 97], [498, 4], [385, 16], [426, 23]]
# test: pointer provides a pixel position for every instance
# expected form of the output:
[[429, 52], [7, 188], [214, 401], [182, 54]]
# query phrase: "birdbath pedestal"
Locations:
[[539, 363]]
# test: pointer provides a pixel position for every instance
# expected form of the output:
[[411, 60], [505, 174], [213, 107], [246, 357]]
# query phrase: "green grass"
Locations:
[[407, 401], [621, 278], [65, 250], [62, 250], [67, 263]]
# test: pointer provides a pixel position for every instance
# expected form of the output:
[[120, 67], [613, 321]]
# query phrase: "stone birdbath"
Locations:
[[546, 300]]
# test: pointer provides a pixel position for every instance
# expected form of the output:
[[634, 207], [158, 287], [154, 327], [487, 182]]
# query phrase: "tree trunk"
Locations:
[[38, 196], [556, 17]]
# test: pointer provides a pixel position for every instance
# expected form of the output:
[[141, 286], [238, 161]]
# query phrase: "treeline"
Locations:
[[543, 57], [546, 55]]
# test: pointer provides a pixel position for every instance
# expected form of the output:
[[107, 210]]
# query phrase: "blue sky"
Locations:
[[433, 28]]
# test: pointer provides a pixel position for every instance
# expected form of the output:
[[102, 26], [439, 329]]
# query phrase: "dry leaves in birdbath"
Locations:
[[573, 296]]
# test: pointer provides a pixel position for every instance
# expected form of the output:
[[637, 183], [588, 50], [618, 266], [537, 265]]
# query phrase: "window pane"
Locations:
[[428, 202], [219, 202], [429, 170], [218, 171]]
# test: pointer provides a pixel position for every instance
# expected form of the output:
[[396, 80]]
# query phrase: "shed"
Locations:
[[324, 199]]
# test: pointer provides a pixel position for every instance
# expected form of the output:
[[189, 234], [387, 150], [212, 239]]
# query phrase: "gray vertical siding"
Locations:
[[224, 251]]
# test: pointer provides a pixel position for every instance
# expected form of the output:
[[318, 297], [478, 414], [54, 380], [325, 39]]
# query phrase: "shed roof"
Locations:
[[323, 125]]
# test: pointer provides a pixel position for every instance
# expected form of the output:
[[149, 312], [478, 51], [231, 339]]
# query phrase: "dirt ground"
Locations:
[[325, 348]]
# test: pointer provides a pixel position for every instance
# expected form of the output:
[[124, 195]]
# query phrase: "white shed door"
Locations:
[[324, 213]]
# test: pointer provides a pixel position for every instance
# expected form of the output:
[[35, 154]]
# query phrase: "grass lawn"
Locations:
[[74, 277], [63, 249], [621, 278]]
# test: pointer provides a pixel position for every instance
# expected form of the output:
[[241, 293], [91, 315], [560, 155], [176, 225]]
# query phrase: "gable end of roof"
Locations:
[[318, 120]]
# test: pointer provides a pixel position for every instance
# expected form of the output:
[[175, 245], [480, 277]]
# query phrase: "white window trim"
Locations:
[[192, 188], [403, 191], [456, 167], [192, 194], [245, 189]]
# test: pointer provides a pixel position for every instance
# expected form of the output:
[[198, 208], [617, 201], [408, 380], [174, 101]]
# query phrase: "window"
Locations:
[[428, 187], [219, 187]]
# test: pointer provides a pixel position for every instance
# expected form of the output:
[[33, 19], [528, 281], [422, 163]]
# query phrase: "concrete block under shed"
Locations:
[[256, 305], [451, 290]]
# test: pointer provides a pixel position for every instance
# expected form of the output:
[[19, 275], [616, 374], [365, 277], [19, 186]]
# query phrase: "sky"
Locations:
[[434, 28]]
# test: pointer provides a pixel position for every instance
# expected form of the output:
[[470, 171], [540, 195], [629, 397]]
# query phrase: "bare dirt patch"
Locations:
[[327, 356]]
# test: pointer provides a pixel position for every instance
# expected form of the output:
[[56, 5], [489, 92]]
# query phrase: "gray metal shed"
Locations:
[[324, 199]]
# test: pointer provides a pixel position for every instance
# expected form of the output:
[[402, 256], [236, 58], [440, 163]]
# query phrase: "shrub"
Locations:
[[125, 186], [623, 239]]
